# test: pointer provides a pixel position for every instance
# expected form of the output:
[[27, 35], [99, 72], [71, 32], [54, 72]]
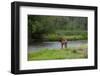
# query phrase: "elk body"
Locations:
[[63, 43]]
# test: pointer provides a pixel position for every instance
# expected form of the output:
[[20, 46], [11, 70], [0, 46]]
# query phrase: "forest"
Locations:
[[52, 28]]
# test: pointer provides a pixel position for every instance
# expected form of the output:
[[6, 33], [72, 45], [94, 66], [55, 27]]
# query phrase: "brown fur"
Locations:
[[63, 43]]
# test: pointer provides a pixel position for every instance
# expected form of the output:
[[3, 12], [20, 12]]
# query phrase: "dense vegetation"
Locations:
[[52, 28]]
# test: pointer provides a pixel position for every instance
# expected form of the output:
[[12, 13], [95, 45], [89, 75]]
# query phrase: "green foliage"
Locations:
[[56, 26], [67, 53]]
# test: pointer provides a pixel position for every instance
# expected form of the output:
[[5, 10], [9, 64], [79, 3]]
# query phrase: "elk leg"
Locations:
[[65, 45]]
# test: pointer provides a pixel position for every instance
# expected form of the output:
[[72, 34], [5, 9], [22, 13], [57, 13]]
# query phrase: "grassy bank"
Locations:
[[51, 54], [70, 38], [58, 35], [69, 35]]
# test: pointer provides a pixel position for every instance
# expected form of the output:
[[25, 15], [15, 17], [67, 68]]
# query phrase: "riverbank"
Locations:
[[58, 35], [52, 54], [55, 37]]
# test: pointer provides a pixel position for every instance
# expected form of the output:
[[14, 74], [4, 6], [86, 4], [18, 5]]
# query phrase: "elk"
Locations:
[[63, 42]]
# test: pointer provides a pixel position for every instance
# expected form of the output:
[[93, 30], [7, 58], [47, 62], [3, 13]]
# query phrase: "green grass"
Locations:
[[69, 35], [58, 35], [51, 54], [72, 37]]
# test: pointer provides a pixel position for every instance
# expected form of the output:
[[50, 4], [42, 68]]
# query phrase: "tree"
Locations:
[[39, 25]]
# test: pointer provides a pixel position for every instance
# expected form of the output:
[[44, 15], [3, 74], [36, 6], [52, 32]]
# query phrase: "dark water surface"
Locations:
[[54, 45]]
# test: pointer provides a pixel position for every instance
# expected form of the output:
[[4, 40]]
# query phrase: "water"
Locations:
[[54, 45]]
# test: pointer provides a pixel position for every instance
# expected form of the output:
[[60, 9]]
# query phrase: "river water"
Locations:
[[54, 45]]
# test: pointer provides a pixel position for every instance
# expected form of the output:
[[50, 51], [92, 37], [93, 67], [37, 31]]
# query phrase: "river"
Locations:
[[54, 45]]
